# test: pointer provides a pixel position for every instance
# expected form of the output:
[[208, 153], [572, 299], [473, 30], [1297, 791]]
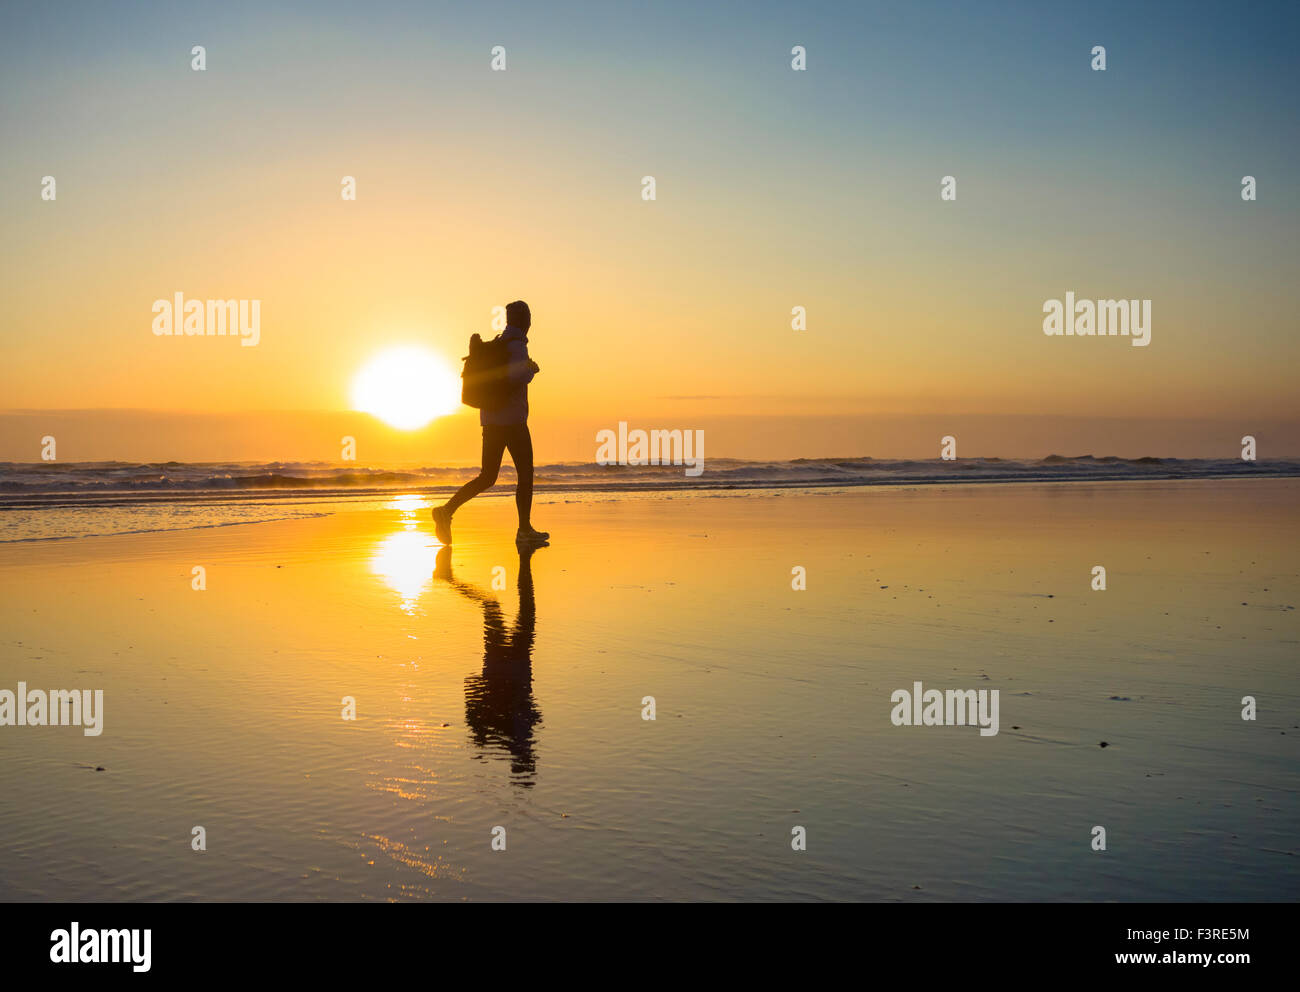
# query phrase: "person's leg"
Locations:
[[494, 444], [520, 443]]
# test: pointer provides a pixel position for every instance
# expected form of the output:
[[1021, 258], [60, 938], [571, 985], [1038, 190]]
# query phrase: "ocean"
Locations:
[[52, 501], [48, 501]]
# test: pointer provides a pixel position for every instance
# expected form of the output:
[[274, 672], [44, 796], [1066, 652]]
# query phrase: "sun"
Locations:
[[406, 387]]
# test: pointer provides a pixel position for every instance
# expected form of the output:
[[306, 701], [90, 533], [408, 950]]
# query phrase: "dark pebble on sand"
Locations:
[[99, 768]]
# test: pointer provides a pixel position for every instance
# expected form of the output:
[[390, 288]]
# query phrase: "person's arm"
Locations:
[[520, 369]]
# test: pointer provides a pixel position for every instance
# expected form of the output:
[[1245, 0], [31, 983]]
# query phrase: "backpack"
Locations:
[[483, 380]]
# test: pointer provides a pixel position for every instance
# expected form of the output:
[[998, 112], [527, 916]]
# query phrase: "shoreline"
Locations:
[[71, 498], [380, 499]]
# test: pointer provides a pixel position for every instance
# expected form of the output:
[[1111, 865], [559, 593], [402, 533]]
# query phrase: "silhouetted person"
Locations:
[[499, 707], [505, 426]]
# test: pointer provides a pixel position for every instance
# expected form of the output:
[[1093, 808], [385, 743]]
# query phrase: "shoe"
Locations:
[[526, 535], [442, 525]]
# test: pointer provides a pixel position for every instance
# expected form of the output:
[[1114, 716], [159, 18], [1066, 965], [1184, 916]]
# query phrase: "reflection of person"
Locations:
[[499, 707], [504, 427]]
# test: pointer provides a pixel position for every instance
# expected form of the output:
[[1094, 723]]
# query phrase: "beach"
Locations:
[[224, 706]]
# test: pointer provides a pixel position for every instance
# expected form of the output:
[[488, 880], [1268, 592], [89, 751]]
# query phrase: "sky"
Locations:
[[774, 189]]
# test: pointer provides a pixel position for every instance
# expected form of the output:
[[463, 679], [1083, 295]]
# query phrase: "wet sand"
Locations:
[[222, 707]]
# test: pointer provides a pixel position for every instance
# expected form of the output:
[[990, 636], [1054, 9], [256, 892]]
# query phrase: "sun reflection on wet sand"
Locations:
[[405, 559]]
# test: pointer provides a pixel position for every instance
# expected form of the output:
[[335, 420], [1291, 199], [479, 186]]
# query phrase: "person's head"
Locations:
[[518, 315]]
